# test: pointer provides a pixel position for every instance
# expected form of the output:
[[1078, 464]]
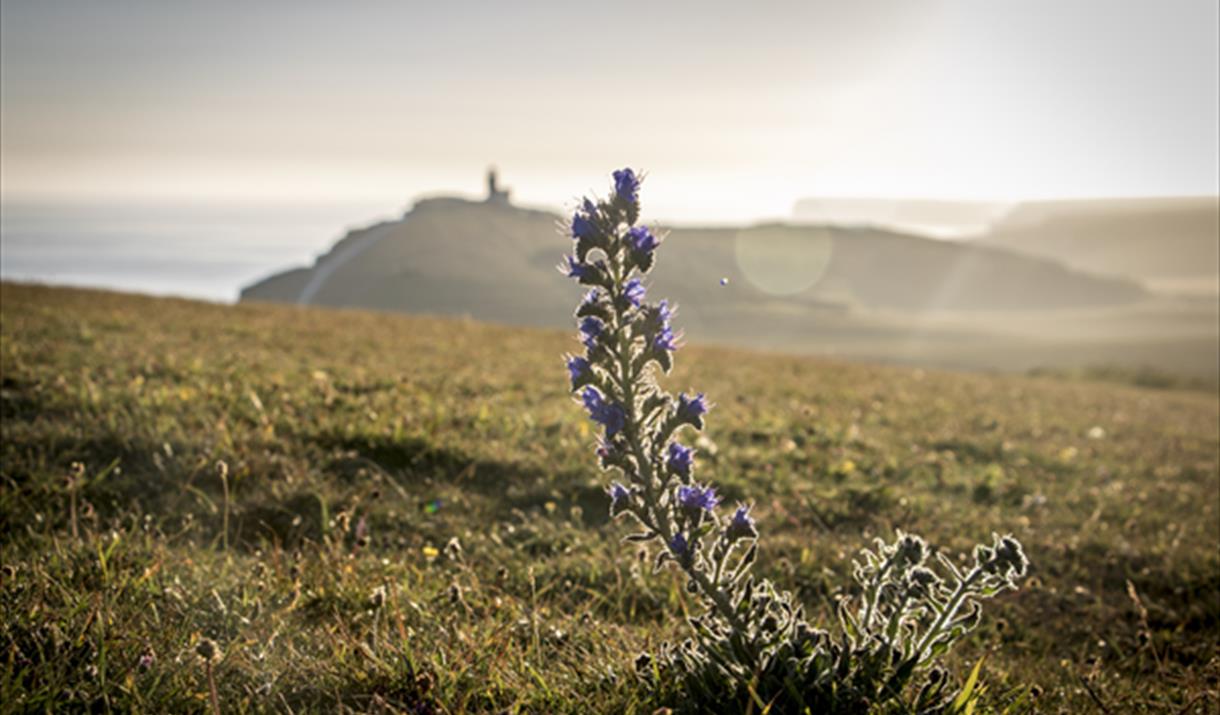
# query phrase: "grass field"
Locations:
[[411, 519]]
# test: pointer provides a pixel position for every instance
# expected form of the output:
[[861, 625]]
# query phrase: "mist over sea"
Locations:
[[195, 250]]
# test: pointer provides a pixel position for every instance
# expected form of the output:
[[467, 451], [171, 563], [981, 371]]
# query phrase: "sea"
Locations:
[[204, 250]]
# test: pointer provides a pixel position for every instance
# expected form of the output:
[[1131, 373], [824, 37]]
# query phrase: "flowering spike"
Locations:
[[751, 641]]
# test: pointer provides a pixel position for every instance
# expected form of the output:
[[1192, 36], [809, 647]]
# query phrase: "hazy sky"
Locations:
[[734, 109]]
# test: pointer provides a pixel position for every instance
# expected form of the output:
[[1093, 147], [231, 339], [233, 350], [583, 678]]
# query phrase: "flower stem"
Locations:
[[874, 591], [659, 516]]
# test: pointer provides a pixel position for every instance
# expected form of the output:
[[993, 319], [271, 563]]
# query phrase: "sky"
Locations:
[[734, 110]]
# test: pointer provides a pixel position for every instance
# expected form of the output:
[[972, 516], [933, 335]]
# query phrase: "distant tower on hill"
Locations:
[[495, 195]]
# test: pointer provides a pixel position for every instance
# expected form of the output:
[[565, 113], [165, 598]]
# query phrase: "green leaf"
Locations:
[[965, 700]]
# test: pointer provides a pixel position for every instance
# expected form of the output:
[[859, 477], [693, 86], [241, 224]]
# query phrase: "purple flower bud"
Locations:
[[626, 185], [592, 399], [665, 339], [592, 296], [578, 370], [657, 322], [691, 409], [634, 291], [694, 499], [607, 414], [642, 240], [681, 458], [741, 526], [664, 312], [679, 547], [590, 329], [582, 221], [613, 419], [619, 498], [575, 268]]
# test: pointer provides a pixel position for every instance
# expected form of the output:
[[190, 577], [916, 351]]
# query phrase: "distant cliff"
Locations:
[[803, 287], [446, 256], [496, 262]]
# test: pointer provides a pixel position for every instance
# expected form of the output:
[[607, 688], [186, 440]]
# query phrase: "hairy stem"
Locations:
[[950, 610], [659, 516], [874, 591]]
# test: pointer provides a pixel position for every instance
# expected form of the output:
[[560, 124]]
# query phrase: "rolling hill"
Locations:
[[1169, 244]]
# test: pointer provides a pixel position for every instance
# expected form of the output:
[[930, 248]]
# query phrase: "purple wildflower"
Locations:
[[691, 409], [582, 221], [665, 339], [607, 414], [619, 496], [592, 399], [679, 547], [741, 525], [642, 240], [634, 291], [694, 499], [578, 369], [681, 458], [664, 312], [626, 185], [592, 296], [590, 329], [575, 268]]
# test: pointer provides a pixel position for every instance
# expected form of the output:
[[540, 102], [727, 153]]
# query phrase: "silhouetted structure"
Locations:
[[495, 195]]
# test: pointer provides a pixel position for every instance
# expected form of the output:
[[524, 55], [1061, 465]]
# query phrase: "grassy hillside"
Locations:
[[443, 462], [1170, 244]]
